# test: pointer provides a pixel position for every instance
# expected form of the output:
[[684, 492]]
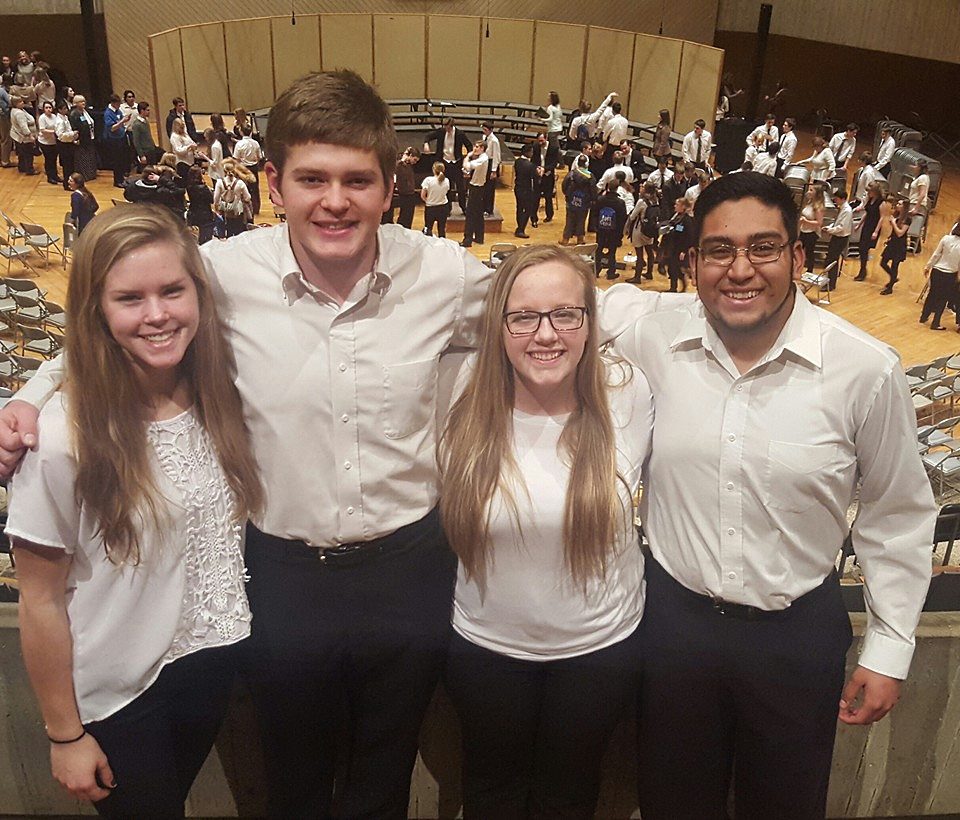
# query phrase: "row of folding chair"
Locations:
[[37, 324], [32, 237], [16, 369]]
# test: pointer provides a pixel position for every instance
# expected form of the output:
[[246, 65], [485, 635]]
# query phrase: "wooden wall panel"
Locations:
[[453, 57], [656, 67], [168, 76], [609, 59], [249, 63], [296, 49], [506, 60], [699, 86], [205, 67], [346, 41], [929, 29], [558, 51], [399, 63]]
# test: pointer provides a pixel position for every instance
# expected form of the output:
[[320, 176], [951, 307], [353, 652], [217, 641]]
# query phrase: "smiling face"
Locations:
[[149, 304], [545, 363], [745, 302], [334, 196]]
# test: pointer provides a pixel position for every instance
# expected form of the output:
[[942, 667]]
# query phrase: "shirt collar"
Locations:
[[295, 285], [801, 335]]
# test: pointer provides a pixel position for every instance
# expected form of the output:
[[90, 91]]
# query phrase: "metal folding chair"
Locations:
[[45, 242]]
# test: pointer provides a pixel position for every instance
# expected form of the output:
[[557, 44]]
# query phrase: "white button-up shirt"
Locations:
[[751, 475], [788, 144], [885, 154], [689, 149]]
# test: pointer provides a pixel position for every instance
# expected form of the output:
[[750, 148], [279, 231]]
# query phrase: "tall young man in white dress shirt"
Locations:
[[769, 413], [696, 146], [337, 325]]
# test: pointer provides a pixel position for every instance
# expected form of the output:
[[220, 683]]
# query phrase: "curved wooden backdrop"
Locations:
[[247, 63]]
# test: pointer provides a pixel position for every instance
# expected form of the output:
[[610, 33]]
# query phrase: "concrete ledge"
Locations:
[[906, 765]]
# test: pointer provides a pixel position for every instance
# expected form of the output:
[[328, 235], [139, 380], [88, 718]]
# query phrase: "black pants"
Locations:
[[436, 214], [473, 228], [489, 195], [675, 272], [117, 158], [749, 700], [838, 244], [49, 161], [408, 204], [526, 208], [884, 171], [574, 224], [347, 653], [943, 291], [651, 253], [547, 187], [157, 744], [25, 157], [67, 152], [454, 172], [808, 240], [534, 732], [607, 244], [892, 268], [254, 189]]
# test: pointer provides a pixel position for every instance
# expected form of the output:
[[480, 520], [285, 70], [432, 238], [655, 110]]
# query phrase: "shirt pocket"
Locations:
[[793, 479], [408, 397]]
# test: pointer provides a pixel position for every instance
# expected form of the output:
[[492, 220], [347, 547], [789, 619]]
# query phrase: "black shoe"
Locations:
[[466, 244], [534, 224], [862, 277], [520, 235], [53, 182], [634, 280], [937, 327], [648, 275], [548, 219], [886, 291], [30, 173], [612, 276]]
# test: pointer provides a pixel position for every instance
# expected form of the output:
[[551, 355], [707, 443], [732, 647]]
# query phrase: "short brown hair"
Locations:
[[337, 107]]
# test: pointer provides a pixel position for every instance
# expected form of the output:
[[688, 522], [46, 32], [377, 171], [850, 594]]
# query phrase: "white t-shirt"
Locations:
[[531, 609], [436, 191], [186, 594]]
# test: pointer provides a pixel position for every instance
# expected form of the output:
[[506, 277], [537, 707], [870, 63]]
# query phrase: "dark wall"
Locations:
[[852, 84], [59, 37]]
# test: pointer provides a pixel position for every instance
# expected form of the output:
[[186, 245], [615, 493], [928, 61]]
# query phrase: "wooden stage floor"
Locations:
[[892, 319]]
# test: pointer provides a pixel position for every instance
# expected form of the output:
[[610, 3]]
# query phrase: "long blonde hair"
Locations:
[[105, 407], [476, 448]]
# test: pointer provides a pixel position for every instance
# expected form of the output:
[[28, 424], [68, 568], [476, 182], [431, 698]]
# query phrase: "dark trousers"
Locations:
[[346, 653], [489, 195], [235, 225], [24, 157], [651, 252], [675, 272], [534, 732], [607, 244], [454, 172], [436, 215], [943, 292], [408, 204], [254, 189], [574, 224], [67, 152], [884, 171], [808, 240], [838, 244], [526, 208], [892, 268], [473, 228], [726, 698], [117, 158], [157, 744], [547, 186], [49, 161]]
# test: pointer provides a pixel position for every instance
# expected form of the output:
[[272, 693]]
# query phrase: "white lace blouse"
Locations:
[[187, 593]]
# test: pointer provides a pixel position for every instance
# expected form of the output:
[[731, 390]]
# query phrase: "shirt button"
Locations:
[[731, 437], [344, 418], [731, 531], [729, 485], [739, 388], [349, 510], [732, 576], [342, 368], [347, 465]]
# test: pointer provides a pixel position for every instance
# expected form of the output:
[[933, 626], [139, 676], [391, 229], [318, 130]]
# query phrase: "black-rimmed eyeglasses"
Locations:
[[759, 253], [527, 322]]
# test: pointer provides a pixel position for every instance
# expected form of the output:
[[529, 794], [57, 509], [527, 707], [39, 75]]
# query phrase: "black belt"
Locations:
[[347, 555], [743, 612]]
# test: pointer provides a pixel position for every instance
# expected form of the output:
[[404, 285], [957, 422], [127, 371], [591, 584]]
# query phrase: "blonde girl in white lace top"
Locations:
[[127, 522]]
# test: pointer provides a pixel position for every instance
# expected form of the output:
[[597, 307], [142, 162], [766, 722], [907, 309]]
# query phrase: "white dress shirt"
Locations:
[[885, 152], [658, 179], [611, 174], [493, 152], [788, 144], [822, 165], [183, 147], [475, 170], [842, 147], [843, 222], [770, 134], [751, 475], [865, 176], [616, 129], [554, 119], [247, 151], [689, 149], [946, 257], [765, 163]]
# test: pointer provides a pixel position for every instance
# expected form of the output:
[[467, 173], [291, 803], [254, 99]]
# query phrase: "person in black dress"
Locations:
[[895, 251], [870, 228]]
